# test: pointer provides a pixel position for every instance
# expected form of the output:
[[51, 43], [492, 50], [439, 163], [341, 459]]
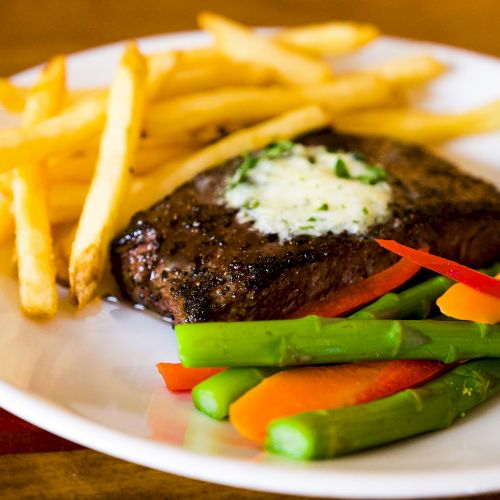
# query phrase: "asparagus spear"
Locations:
[[313, 340], [324, 434], [415, 302], [214, 395]]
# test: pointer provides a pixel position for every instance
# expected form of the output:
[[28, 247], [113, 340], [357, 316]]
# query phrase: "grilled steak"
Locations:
[[189, 257]]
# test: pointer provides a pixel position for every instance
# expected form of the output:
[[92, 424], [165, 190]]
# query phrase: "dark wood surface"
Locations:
[[33, 30]]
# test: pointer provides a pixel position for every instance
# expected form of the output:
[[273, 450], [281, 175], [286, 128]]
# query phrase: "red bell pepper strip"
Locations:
[[179, 378], [352, 297], [458, 272]]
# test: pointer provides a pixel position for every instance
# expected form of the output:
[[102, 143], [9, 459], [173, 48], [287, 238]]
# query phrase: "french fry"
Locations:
[[6, 184], [408, 71], [6, 219], [111, 179], [35, 263], [421, 126], [150, 188], [66, 200], [12, 97], [327, 39], [241, 44], [64, 236], [159, 66], [251, 104], [64, 132]]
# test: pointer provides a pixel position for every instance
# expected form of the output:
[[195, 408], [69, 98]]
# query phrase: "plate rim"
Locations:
[[48, 415]]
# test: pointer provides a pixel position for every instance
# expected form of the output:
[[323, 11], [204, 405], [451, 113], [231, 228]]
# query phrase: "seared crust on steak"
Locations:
[[189, 257]]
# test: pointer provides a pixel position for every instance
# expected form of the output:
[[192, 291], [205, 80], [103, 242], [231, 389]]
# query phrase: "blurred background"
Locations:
[[33, 30]]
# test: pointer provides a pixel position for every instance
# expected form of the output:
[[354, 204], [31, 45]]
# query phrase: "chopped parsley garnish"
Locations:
[[323, 207], [277, 149], [341, 169], [311, 219], [274, 150], [365, 211], [373, 175], [305, 228], [249, 204]]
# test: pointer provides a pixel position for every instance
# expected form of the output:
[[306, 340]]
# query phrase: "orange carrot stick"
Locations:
[[324, 387], [463, 302], [179, 378]]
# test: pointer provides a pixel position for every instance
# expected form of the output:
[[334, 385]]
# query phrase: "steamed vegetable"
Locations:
[[313, 340], [327, 433], [463, 302], [455, 271], [314, 388], [178, 378], [351, 297], [214, 395]]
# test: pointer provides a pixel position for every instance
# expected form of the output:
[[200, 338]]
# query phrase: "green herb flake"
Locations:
[[373, 175], [277, 149], [249, 204], [241, 175], [323, 207], [341, 169], [311, 219], [305, 228], [365, 211]]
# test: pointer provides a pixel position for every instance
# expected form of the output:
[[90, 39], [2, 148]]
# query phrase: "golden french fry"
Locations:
[[35, 262], [64, 132], [328, 39], [421, 126], [6, 219], [66, 200], [75, 167], [251, 104], [408, 71], [150, 188], [64, 236], [12, 97], [241, 44], [111, 179], [160, 65], [6, 184]]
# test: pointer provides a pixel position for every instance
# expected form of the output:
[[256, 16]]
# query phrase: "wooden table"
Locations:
[[33, 30]]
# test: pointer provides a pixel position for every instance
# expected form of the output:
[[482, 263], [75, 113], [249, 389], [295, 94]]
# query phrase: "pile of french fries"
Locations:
[[83, 161]]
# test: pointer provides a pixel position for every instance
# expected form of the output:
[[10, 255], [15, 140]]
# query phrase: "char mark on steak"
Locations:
[[189, 257]]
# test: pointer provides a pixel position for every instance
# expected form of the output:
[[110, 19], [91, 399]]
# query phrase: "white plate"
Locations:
[[90, 376]]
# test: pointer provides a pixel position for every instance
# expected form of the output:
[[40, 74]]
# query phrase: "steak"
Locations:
[[189, 257]]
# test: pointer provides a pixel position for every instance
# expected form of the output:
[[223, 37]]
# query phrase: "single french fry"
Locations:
[[64, 236], [408, 71], [150, 188], [251, 104], [241, 44], [64, 132], [6, 184], [111, 179], [36, 270], [12, 97], [328, 39], [66, 200], [75, 167], [6, 219], [160, 66], [421, 126]]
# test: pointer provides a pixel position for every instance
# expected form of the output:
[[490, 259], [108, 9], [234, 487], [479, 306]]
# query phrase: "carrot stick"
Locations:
[[462, 302], [354, 296], [324, 387], [179, 378]]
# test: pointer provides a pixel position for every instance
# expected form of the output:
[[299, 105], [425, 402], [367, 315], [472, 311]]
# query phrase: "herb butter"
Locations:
[[290, 189]]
